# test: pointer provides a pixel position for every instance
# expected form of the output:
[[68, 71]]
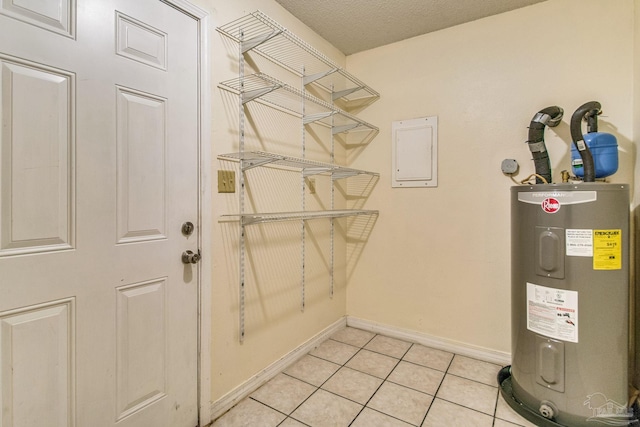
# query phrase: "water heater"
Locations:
[[570, 304]]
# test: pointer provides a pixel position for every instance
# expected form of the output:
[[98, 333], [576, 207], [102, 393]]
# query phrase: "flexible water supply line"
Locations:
[[588, 111], [550, 116]]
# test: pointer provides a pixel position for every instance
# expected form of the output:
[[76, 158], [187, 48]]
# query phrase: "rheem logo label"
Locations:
[[550, 205]]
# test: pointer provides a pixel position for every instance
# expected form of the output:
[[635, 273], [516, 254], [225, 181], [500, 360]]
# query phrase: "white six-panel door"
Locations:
[[98, 172]]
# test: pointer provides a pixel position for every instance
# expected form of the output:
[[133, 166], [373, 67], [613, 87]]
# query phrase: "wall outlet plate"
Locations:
[[226, 181]]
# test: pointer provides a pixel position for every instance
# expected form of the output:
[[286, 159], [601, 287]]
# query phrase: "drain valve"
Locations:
[[548, 409]]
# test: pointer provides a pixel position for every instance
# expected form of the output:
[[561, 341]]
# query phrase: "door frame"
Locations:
[[204, 206]]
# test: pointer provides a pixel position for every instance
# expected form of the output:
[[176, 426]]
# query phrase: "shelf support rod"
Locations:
[[302, 196], [315, 117], [241, 183], [250, 95], [247, 45], [341, 174], [247, 220], [342, 93], [344, 128], [332, 221], [314, 171], [317, 76], [250, 164]]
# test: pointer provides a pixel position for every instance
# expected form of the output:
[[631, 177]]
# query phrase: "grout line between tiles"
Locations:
[[471, 379], [423, 366], [383, 381], [331, 376], [372, 394], [438, 389], [495, 408], [466, 407], [385, 414], [270, 407]]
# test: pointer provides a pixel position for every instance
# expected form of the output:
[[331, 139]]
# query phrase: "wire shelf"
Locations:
[[260, 218], [281, 95], [251, 159], [260, 33]]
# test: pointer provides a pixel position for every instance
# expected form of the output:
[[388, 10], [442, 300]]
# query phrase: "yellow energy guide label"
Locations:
[[607, 249]]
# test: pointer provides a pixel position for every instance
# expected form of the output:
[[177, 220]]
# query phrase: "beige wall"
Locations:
[[437, 261]]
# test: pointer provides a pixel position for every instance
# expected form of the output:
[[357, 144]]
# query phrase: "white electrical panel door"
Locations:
[[415, 152]]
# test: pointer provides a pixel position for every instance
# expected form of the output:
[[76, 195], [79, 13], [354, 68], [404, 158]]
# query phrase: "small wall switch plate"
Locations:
[[226, 181]]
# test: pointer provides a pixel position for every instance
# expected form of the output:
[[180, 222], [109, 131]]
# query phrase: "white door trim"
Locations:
[[205, 218]]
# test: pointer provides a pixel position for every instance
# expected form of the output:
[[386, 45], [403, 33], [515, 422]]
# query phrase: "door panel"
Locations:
[[142, 168], [52, 15], [37, 344], [98, 171], [36, 180], [141, 345], [141, 42]]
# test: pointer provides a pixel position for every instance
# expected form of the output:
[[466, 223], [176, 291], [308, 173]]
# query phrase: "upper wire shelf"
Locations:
[[251, 159], [260, 33], [279, 94]]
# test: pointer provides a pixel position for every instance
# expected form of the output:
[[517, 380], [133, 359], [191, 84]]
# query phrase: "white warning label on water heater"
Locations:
[[579, 242], [552, 312]]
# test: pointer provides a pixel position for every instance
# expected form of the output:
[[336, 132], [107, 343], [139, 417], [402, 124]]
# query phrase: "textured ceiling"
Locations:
[[356, 25]]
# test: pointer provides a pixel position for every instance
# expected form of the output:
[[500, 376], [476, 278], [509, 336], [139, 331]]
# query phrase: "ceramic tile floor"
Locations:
[[360, 379]]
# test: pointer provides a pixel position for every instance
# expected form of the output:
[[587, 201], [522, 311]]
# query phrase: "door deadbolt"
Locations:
[[189, 257], [187, 228]]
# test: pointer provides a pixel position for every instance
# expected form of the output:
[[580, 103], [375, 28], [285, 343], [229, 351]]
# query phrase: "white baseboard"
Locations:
[[230, 399], [475, 352]]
